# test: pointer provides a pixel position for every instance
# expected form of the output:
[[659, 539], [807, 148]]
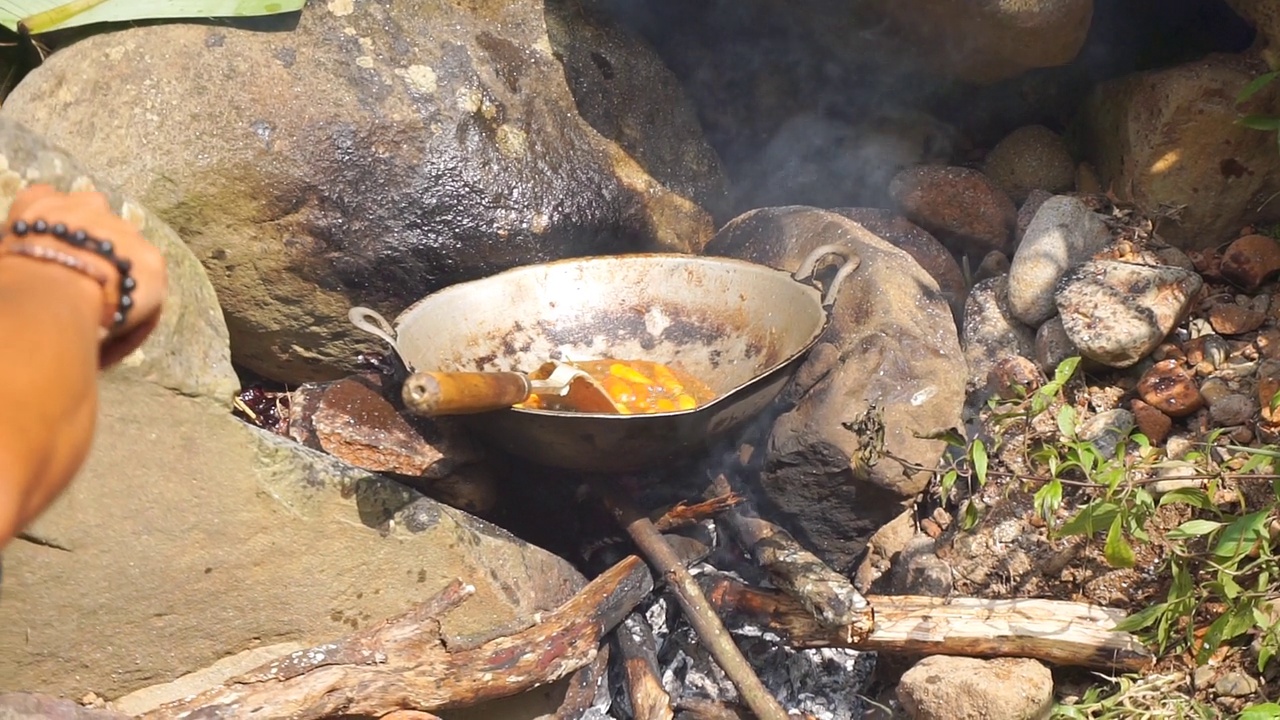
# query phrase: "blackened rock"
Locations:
[[377, 152], [887, 371]]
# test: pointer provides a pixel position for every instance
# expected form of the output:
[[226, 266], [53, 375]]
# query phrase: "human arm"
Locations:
[[56, 332]]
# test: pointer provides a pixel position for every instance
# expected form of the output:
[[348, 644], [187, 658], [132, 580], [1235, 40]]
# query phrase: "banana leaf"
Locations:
[[41, 16]]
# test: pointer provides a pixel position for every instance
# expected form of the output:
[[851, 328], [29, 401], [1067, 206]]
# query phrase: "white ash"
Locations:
[[826, 683]]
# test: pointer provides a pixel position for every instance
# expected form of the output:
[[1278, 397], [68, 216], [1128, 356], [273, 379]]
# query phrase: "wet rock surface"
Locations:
[[348, 161], [889, 363]]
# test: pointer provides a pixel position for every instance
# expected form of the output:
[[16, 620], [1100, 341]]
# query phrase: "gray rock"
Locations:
[[919, 571], [1234, 683], [189, 536], [1027, 212], [891, 346], [1053, 345], [1116, 313], [1176, 475], [1063, 234], [942, 687], [377, 152], [990, 332], [1232, 409], [187, 352], [1033, 157], [1106, 429]]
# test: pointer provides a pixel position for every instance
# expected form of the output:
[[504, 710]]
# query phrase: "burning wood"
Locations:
[[402, 664], [1063, 633]]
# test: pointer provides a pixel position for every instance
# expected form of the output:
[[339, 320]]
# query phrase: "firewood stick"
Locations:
[[711, 632], [403, 663], [584, 686], [1058, 632], [636, 648], [830, 596]]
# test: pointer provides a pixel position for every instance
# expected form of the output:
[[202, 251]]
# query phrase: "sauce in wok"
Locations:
[[635, 387]]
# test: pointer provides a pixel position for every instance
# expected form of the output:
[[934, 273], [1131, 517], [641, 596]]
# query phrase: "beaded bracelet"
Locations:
[[80, 239]]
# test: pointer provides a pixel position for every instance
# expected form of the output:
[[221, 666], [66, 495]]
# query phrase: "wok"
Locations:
[[741, 328]]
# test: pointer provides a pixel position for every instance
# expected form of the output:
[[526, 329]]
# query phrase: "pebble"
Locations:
[[1232, 409], [1014, 376], [1178, 445], [960, 206], [1250, 261], [1268, 384], [1175, 257], [1117, 313], [1053, 345], [1268, 343], [1235, 684], [1027, 211], [994, 264], [1150, 421], [1234, 318], [1063, 234], [1214, 389], [1176, 475], [1169, 389], [1106, 429]]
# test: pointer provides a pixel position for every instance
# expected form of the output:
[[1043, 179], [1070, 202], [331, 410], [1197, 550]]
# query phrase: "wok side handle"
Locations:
[[371, 322], [809, 266], [463, 393]]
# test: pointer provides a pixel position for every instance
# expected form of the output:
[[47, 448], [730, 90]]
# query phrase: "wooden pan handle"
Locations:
[[462, 393]]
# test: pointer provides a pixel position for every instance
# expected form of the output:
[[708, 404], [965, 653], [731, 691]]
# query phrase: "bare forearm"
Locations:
[[48, 393]]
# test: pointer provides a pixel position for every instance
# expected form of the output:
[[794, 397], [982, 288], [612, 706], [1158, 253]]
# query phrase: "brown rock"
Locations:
[[1033, 157], [1171, 137], [942, 687], [1170, 389], [1150, 421], [919, 244], [1013, 376], [960, 206], [352, 420], [1268, 343], [994, 264], [1230, 318], [1251, 261]]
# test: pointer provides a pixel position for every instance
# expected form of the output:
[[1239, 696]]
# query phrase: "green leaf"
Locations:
[[979, 453], [1262, 711], [1195, 497], [1141, 619], [948, 482], [1260, 122], [1065, 370], [969, 516], [1048, 499], [1091, 518], [950, 436], [1067, 421], [1118, 551], [1255, 85], [1241, 535], [1193, 528], [41, 16]]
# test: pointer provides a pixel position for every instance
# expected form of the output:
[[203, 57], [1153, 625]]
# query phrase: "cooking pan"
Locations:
[[740, 327]]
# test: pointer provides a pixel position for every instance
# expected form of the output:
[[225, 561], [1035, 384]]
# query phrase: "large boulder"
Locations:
[[1265, 16], [981, 41], [1169, 140], [887, 371], [377, 152], [190, 536]]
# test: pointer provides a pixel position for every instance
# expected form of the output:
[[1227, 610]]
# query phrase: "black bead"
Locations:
[[124, 265], [78, 238], [126, 302], [59, 230], [20, 227], [106, 247], [40, 226], [127, 284]]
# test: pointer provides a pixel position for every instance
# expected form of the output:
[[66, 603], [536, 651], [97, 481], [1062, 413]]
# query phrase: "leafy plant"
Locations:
[[1268, 123]]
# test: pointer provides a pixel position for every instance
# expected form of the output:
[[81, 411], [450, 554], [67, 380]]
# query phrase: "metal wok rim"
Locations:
[[636, 257]]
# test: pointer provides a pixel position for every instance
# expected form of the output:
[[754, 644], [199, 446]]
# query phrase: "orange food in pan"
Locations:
[[638, 387]]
